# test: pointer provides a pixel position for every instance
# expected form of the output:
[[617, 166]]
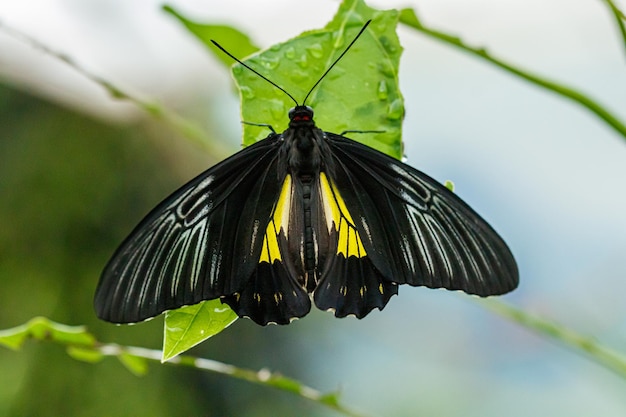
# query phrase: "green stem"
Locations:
[[585, 345], [178, 123], [82, 345], [409, 18], [619, 19], [262, 377]]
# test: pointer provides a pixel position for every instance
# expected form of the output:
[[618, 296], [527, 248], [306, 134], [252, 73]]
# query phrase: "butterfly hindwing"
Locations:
[[350, 284], [202, 242], [415, 230], [273, 294]]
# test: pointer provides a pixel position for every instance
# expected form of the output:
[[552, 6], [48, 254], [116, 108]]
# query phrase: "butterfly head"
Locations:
[[300, 116]]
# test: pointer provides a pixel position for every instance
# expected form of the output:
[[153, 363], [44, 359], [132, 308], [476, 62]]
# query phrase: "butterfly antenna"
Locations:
[[337, 60], [258, 73]]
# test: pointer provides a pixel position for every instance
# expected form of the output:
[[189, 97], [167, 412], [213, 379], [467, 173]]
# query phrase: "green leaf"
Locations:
[[360, 93], [239, 43], [190, 325], [40, 328], [620, 18], [85, 354], [15, 337], [330, 398], [135, 364]]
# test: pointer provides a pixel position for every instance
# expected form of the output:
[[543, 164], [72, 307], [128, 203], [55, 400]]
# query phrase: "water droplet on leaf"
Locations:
[[302, 61], [246, 92], [383, 92], [270, 63], [290, 53], [395, 111], [386, 69], [388, 45], [316, 50]]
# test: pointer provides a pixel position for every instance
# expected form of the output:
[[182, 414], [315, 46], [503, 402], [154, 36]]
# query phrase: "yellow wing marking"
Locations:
[[280, 220], [349, 242]]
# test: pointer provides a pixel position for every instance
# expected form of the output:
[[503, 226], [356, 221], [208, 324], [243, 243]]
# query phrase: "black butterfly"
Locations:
[[303, 215]]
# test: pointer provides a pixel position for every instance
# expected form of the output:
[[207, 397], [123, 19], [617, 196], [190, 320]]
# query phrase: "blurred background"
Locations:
[[78, 169]]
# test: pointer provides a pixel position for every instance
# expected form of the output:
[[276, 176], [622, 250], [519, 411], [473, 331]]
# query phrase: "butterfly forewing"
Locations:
[[202, 242]]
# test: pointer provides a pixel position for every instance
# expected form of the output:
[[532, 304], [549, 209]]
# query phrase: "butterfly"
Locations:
[[302, 217]]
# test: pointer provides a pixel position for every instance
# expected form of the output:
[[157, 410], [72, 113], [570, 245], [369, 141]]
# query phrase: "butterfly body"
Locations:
[[302, 216]]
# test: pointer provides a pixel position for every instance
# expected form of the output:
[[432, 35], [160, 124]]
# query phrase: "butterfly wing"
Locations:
[[414, 230], [274, 293], [349, 283], [202, 242]]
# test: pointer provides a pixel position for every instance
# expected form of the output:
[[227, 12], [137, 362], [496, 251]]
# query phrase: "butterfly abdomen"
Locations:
[[309, 244]]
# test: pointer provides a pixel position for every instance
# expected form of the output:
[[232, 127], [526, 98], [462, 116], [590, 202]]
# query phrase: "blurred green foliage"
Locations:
[[72, 188]]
